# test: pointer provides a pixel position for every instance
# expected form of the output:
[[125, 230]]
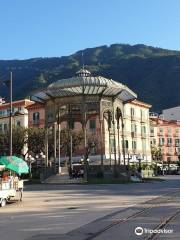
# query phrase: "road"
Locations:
[[100, 212]]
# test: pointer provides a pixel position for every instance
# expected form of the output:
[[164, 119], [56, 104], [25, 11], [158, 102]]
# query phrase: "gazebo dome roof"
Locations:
[[85, 84]]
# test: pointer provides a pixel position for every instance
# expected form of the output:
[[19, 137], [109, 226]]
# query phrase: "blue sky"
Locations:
[[47, 28]]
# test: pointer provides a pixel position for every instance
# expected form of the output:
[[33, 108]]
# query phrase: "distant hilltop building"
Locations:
[[171, 114]]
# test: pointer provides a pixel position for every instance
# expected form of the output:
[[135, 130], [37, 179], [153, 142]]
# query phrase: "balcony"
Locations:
[[170, 154], [161, 144], [177, 145], [160, 134], [176, 135], [133, 134], [133, 118], [152, 135], [143, 120], [143, 135]]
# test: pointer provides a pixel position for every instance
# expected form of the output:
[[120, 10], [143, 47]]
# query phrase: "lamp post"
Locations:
[[139, 159], [31, 160], [129, 158], [10, 116], [8, 83]]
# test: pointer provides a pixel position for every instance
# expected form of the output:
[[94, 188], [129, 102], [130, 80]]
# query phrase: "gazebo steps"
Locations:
[[63, 179]]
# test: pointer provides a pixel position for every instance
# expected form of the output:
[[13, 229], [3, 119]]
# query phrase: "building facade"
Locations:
[[36, 115], [115, 126], [136, 131], [19, 112], [165, 135]]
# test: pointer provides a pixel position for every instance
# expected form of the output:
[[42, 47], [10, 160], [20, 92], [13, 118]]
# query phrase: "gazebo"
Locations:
[[79, 99]]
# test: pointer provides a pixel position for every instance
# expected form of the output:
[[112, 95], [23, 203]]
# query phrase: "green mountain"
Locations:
[[153, 73]]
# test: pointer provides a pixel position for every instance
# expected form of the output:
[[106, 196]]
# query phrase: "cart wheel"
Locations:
[[3, 202]]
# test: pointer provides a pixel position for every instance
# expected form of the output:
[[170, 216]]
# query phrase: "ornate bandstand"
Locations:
[[72, 103]]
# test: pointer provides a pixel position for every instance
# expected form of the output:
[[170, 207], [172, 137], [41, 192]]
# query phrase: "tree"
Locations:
[[156, 153], [77, 138], [19, 140], [92, 144], [35, 140]]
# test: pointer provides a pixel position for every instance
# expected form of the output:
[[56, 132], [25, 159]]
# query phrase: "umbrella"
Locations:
[[15, 164]]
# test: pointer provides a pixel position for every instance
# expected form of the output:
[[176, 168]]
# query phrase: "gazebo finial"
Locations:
[[83, 73]]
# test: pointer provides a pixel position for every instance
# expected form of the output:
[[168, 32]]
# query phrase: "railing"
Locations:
[[133, 134], [143, 135], [47, 172], [160, 134], [143, 119]]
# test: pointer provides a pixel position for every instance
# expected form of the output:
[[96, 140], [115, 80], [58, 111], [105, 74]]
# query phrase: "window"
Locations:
[[133, 128], [142, 113], [71, 124], [177, 142], [169, 130], [8, 112], [50, 117], [143, 130], [5, 127], [152, 130], [178, 150], [132, 112], [92, 125], [126, 144], [2, 113], [169, 141], [36, 117], [112, 145], [134, 145], [18, 123], [161, 141], [161, 130], [1, 128]]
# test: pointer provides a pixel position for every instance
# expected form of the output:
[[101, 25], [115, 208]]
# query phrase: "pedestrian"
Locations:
[[20, 189]]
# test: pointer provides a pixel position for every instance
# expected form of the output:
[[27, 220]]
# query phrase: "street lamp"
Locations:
[[129, 157], [139, 159], [30, 160]]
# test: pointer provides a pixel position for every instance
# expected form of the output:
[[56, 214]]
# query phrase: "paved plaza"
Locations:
[[100, 212]]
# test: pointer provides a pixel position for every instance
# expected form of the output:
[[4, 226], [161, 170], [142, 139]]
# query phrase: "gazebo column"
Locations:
[[46, 146], [123, 141], [84, 120], [59, 143], [55, 144], [114, 134], [109, 131], [102, 142], [118, 115]]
